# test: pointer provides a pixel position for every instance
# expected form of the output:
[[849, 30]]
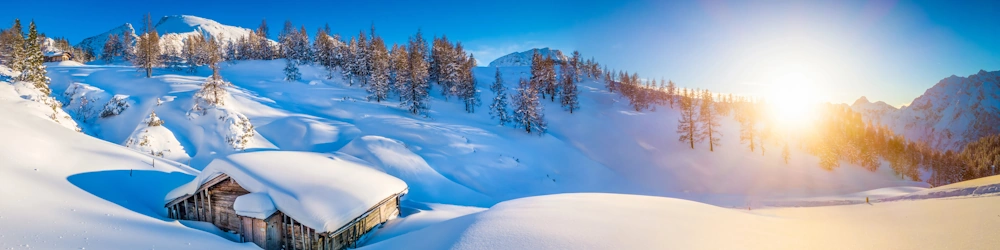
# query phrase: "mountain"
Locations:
[[949, 115], [872, 110], [173, 30], [96, 43], [524, 58]]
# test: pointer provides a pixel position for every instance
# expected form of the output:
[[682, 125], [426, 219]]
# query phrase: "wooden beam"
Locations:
[[292, 232]]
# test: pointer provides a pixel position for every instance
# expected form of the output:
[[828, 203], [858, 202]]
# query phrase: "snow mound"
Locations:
[[612, 221], [523, 58], [152, 138], [321, 192], [301, 133], [40, 104], [977, 187], [426, 184]]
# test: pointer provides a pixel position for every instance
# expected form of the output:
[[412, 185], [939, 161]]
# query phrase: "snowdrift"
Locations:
[[394, 158], [614, 221], [65, 190]]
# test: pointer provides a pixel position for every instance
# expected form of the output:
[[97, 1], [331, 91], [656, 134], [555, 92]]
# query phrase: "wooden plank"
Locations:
[[260, 233], [292, 232]]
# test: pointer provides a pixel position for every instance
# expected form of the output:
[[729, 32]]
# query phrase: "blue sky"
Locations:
[[886, 50]]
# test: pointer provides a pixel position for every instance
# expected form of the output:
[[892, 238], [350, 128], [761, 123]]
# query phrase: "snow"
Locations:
[[156, 140], [257, 205], [522, 59], [394, 158], [320, 191], [472, 184], [615, 221], [65, 190]]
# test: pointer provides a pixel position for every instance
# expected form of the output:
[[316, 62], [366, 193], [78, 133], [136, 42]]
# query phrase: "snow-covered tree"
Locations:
[[709, 120], [528, 111], [687, 125], [400, 68], [378, 80], [34, 67], [147, 53], [323, 52], [569, 94], [415, 95], [747, 116], [112, 48], [468, 90], [785, 154], [498, 109]]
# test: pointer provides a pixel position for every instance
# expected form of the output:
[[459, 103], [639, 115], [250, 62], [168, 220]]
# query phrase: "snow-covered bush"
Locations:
[[115, 106], [239, 130], [153, 120], [152, 138], [212, 94]]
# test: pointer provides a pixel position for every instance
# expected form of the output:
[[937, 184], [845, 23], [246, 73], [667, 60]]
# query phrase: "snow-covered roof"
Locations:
[[320, 191]]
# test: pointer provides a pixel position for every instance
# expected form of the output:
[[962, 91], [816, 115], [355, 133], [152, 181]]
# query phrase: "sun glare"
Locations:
[[791, 98]]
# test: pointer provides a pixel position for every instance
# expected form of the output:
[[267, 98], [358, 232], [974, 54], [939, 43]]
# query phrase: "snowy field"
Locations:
[[598, 180]]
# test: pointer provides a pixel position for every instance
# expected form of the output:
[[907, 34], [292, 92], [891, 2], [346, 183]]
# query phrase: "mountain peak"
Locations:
[[524, 58], [860, 101]]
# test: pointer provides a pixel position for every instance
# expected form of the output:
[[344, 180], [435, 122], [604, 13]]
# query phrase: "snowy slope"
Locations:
[[615, 221], [65, 190], [524, 58], [458, 158], [952, 113]]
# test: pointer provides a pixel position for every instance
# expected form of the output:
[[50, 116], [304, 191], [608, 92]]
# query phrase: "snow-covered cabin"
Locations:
[[57, 56], [290, 200]]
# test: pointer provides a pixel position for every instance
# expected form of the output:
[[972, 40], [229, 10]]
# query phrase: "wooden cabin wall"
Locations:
[[223, 196]]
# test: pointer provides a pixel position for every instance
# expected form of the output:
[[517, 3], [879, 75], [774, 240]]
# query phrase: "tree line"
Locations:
[[22, 53]]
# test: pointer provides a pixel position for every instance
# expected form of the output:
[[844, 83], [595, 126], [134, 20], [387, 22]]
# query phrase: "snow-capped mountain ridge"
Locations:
[[949, 115], [524, 58], [173, 30]]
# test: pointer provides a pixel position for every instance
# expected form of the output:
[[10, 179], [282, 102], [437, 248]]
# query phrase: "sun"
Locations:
[[791, 98]]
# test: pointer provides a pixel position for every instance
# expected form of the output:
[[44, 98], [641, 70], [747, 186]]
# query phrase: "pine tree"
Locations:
[[528, 112], [671, 92], [687, 125], [378, 83], [748, 123], [498, 109], [289, 39], [568, 96], [415, 95], [34, 67], [468, 90], [147, 53], [112, 48], [709, 120], [323, 51], [129, 46], [549, 79], [262, 49], [400, 63], [12, 50], [785, 154], [349, 64]]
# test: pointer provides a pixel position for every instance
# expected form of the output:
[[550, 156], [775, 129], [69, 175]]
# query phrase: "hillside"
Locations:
[[949, 115], [469, 160]]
